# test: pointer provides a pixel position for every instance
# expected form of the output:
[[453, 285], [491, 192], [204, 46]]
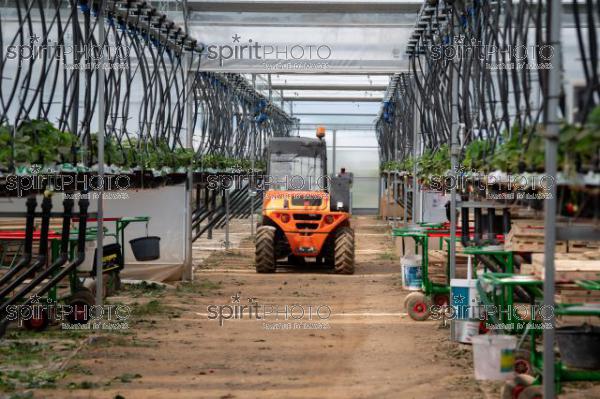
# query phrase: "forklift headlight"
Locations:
[[329, 219], [285, 217]]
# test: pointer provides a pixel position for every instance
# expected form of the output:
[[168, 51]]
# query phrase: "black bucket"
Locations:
[[146, 248], [579, 346]]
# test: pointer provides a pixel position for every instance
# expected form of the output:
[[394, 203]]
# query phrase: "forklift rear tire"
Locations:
[[265, 250], [344, 251], [81, 303]]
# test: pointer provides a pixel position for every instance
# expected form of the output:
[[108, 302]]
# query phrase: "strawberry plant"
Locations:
[[476, 153], [5, 145], [39, 142]]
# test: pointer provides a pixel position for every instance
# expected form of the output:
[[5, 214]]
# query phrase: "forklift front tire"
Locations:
[[344, 251], [265, 250]]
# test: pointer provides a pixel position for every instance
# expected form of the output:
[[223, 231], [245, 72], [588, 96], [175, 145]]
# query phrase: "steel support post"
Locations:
[[395, 181], [333, 152], [101, 130], [388, 194], [551, 139], [213, 206], [415, 183], [379, 194], [251, 185], [189, 185], [198, 202], [405, 194], [454, 151], [226, 200]]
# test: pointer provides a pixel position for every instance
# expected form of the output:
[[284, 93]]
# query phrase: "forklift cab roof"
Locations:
[[300, 146]]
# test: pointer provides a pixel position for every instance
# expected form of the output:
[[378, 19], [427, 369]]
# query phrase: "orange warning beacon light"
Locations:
[[320, 132]]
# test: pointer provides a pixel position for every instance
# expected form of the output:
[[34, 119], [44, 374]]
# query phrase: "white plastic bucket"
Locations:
[[411, 272], [493, 356], [464, 298], [463, 330]]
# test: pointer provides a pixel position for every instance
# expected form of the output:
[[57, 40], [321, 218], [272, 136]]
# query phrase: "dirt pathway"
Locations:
[[366, 348]]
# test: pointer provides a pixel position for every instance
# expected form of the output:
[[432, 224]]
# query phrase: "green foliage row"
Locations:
[[39, 142], [579, 145], [435, 163], [406, 165], [36, 142]]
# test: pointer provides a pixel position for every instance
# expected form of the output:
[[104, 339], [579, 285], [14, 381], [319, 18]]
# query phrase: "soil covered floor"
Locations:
[[354, 340]]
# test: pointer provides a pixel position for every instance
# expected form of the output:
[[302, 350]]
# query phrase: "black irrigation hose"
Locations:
[[491, 101], [146, 73]]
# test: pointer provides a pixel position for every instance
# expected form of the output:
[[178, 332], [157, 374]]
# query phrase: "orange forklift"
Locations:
[[306, 213]]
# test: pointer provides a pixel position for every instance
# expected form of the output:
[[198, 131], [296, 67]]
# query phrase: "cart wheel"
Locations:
[[441, 299], [523, 364], [524, 380], [112, 284], [482, 328], [3, 327], [532, 392], [508, 388], [116, 282], [37, 323], [106, 287], [513, 387], [81, 302], [410, 295], [418, 307]]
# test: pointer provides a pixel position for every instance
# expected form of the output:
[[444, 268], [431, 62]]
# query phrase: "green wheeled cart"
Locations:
[[112, 283], [418, 304], [497, 290]]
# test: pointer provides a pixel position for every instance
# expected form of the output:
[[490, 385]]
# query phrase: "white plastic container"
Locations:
[[493, 356], [464, 298], [463, 331], [411, 272]]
